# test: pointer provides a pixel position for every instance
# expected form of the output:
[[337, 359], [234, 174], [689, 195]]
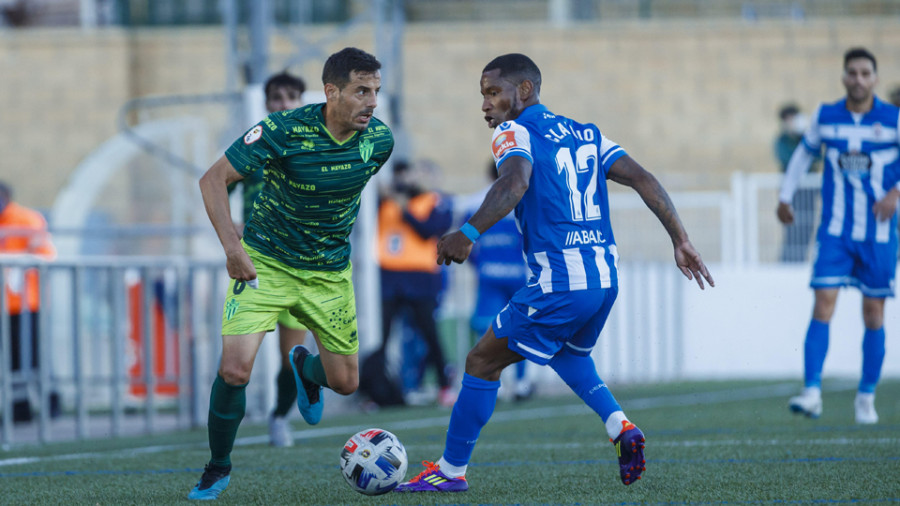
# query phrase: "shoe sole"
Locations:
[[457, 487], [277, 443], [425, 491], [795, 408], [312, 413], [212, 493]]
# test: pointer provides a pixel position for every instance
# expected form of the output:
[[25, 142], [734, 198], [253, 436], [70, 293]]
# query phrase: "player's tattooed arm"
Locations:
[[628, 172], [504, 194], [501, 198]]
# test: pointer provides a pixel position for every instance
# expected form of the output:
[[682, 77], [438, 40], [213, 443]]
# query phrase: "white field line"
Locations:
[[705, 443], [693, 399], [838, 441]]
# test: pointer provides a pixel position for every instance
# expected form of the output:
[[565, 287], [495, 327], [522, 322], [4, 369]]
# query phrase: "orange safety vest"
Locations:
[[23, 230], [400, 248]]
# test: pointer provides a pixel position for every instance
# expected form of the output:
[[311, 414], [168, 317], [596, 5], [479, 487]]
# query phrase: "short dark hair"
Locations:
[[787, 111], [284, 80], [517, 68], [860, 52], [339, 66]]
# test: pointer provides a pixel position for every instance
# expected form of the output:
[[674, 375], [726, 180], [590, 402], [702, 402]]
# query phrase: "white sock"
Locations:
[[813, 391], [866, 396], [451, 471], [614, 424]]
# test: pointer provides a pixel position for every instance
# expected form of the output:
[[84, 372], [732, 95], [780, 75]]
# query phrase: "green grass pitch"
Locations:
[[718, 443]]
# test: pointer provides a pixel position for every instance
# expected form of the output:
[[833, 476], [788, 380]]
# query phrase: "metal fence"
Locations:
[[126, 345], [761, 238]]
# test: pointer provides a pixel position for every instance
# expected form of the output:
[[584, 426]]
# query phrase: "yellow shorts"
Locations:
[[322, 301], [287, 319]]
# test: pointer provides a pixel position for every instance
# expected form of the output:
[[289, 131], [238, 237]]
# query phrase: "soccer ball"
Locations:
[[373, 461]]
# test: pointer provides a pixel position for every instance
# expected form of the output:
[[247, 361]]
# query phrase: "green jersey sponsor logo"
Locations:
[[366, 148]]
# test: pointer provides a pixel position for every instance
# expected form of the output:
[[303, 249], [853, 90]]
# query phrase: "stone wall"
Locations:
[[692, 101]]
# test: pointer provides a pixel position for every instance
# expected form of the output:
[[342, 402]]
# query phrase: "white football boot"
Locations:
[[280, 432], [808, 403], [865, 408]]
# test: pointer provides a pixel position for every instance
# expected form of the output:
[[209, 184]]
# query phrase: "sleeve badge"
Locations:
[[253, 135], [503, 143]]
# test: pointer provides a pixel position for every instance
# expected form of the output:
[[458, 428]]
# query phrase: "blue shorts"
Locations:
[[492, 297], [867, 265], [538, 325]]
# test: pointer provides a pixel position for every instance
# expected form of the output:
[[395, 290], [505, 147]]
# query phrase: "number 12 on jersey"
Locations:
[[583, 206]]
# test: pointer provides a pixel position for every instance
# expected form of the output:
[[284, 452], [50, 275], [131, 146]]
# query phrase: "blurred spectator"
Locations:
[[894, 96], [23, 231], [411, 218], [500, 268], [283, 92], [14, 13], [797, 235]]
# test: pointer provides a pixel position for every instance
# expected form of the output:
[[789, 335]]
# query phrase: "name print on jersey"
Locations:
[[559, 132]]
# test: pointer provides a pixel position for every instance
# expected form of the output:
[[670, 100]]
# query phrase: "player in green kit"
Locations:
[[295, 251]]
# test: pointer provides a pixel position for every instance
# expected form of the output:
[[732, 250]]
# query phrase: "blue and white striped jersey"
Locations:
[[861, 165], [564, 216]]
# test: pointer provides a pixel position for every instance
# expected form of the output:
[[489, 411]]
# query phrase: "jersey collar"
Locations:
[[320, 113], [532, 111], [877, 104]]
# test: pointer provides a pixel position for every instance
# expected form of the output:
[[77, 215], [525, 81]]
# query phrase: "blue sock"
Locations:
[[520, 369], [873, 357], [474, 407], [814, 350], [580, 373]]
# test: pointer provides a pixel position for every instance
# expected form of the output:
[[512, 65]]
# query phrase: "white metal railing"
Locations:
[[129, 345], [761, 238]]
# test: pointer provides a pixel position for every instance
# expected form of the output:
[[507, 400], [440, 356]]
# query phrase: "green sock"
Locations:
[[226, 410], [286, 391], [313, 370]]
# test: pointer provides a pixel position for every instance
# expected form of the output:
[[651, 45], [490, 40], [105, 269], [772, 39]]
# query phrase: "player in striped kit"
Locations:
[[553, 171], [857, 237]]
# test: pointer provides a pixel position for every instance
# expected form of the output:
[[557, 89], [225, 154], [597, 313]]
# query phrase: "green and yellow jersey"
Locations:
[[251, 185], [311, 185]]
